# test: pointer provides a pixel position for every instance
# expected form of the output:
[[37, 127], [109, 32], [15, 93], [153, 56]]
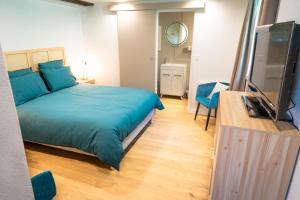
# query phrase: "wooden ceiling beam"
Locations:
[[79, 2]]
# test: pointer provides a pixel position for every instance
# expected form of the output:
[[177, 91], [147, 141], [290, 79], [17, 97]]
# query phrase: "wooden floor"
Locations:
[[171, 160]]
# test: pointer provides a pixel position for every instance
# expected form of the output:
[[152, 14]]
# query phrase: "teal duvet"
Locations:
[[94, 119]]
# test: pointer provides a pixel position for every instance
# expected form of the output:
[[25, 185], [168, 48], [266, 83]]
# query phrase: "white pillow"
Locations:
[[218, 87]]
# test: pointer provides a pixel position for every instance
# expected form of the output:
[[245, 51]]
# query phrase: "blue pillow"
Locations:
[[57, 79], [21, 72], [71, 73], [27, 87], [52, 64]]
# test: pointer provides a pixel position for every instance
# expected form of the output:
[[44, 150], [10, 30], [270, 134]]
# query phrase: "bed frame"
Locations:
[[16, 60]]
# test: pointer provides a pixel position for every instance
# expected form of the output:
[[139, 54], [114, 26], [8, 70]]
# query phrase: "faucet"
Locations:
[[165, 60]]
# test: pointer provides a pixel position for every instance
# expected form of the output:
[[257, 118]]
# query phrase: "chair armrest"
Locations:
[[214, 100], [43, 186]]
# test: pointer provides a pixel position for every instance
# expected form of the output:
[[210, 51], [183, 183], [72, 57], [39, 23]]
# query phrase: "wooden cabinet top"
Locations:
[[234, 114]]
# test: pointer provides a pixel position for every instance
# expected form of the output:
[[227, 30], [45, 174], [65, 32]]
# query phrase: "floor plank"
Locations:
[[171, 160]]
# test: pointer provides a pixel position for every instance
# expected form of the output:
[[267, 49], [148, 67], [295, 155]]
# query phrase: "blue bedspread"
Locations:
[[95, 119]]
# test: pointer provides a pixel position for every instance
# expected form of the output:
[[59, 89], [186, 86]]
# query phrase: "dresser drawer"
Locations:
[[178, 73], [165, 72]]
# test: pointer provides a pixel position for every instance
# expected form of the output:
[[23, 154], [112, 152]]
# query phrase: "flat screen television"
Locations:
[[274, 63]]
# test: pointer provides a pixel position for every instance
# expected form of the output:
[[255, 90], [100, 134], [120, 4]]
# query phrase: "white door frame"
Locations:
[[157, 35]]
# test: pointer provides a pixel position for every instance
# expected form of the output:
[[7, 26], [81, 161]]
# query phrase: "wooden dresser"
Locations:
[[253, 159]]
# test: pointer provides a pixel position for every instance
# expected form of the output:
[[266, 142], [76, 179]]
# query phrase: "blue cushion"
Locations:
[[21, 72], [27, 87], [43, 186], [60, 78], [52, 64]]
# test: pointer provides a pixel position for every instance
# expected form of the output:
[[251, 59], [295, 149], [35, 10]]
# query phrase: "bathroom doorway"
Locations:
[[174, 49]]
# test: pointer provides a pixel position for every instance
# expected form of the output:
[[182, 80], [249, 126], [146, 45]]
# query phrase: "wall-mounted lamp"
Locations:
[[84, 69], [123, 7]]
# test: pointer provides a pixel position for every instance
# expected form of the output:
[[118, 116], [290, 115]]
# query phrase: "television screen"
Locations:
[[271, 54]]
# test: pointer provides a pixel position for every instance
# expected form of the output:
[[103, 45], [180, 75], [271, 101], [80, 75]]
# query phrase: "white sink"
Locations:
[[173, 65]]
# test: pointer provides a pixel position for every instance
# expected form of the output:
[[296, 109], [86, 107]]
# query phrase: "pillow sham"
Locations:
[[27, 87], [57, 79], [218, 88], [71, 72], [54, 64], [21, 72]]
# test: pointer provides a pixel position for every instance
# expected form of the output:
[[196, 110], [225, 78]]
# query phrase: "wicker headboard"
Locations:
[[16, 60]]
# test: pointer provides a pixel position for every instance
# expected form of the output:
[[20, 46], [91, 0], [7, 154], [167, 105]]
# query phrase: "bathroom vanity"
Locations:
[[173, 79]]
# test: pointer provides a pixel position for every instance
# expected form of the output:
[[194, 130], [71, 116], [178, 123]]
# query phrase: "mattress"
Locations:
[[94, 119]]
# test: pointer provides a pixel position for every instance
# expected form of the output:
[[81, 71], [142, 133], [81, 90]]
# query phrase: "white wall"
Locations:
[[101, 44], [27, 24], [14, 177], [289, 11], [216, 36], [88, 34]]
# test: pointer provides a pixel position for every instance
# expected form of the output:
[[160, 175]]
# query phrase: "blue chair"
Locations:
[[43, 186], [203, 91]]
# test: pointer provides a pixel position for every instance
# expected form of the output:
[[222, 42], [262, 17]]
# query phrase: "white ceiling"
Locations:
[[135, 1]]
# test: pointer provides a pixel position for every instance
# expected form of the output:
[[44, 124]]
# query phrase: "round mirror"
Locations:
[[176, 33]]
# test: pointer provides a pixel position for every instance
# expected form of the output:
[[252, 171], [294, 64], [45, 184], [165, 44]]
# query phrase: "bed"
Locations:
[[94, 120]]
